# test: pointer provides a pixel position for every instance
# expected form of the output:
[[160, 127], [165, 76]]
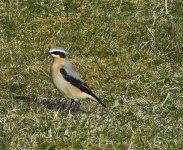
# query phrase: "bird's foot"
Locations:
[[74, 107]]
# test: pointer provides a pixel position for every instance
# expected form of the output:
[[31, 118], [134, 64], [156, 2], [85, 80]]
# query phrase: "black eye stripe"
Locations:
[[61, 54], [55, 53]]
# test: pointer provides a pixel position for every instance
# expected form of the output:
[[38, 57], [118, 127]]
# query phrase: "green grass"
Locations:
[[129, 52]]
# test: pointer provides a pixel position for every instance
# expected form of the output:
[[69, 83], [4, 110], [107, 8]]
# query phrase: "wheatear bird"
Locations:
[[67, 80]]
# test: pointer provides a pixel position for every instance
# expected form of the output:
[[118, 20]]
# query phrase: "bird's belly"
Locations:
[[68, 89]]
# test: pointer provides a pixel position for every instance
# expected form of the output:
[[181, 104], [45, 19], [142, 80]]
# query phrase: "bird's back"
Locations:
[[71, 71]]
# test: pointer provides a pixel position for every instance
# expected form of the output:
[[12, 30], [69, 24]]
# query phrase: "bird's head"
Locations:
[[57, 52]]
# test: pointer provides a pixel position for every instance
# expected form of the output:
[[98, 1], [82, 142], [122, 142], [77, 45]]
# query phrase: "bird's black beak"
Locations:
[[47, 53]]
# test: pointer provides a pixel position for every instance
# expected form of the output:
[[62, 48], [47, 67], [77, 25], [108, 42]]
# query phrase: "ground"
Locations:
[[130, 54]]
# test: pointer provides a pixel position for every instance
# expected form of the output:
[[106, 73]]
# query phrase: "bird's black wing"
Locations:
[[80, 85]]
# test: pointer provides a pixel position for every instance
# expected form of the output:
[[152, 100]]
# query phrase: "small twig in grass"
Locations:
[[168, 95], [154, 18], [150, 31], [129, 148], [119, 7], [166, 7]]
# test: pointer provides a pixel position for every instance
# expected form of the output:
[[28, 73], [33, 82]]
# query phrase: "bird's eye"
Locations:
[[62, 55]]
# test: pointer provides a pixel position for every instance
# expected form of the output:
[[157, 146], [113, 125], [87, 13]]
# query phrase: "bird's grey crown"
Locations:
[[56, 49]]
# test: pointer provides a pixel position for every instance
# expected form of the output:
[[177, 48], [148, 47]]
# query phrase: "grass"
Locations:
[[129, 52]]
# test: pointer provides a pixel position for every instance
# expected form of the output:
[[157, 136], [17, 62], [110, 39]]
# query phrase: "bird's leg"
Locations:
[[72, 101], [74, 107]]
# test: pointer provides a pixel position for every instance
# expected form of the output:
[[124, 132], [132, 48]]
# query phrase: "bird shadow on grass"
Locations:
[[51, 104], [47, 103]]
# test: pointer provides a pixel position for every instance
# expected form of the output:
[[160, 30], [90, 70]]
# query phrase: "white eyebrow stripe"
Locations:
[[58, 49]]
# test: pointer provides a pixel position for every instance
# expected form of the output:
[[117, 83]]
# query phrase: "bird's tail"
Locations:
[[99, 101]]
